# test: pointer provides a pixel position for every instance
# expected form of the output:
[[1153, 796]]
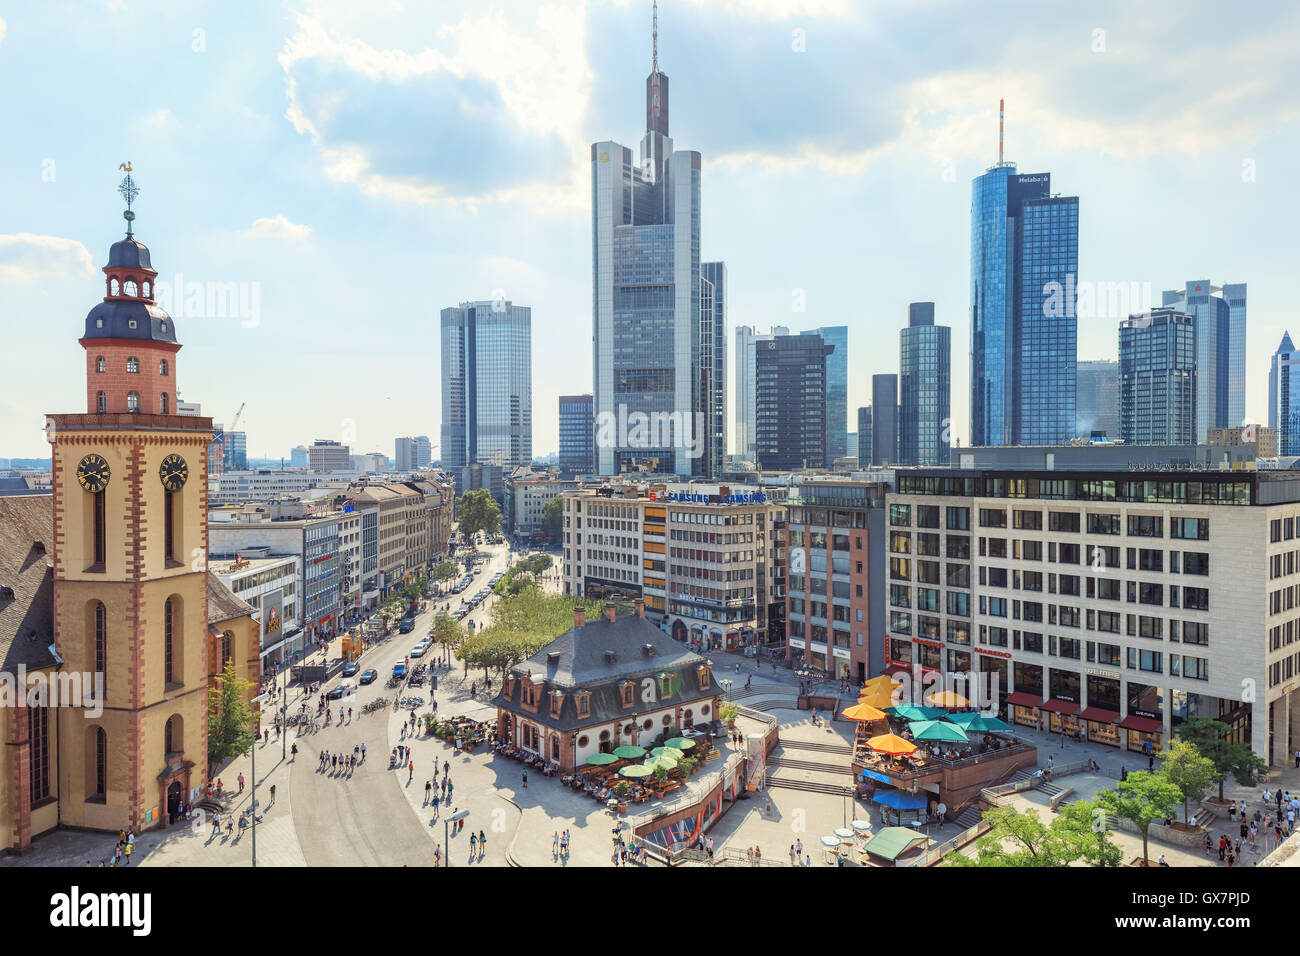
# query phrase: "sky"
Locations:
[[318, 179]]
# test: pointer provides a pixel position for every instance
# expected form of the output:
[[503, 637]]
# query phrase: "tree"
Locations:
[[447, 632], [391, 610], [1142, 799], [1020, 838], [553, 517], [1188, 770], [478, 511], [446, 571], [230, 717], [1229, 757]]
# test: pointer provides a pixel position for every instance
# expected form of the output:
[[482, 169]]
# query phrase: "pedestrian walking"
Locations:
[[240, 778], [411, 776], [272, 793], [525, 778]]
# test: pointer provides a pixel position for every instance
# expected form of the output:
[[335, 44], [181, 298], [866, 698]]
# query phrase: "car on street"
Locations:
[[417, 650], [350, 669], [406, 627], [368, 676], [399, 669], [344, 689]]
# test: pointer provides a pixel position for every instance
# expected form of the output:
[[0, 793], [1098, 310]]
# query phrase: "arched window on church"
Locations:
[[132, 401], [162, 367], [113, 287], [162, 403], [101, 403], [133, 364], [101, 365], [129, 287], [169, 633]]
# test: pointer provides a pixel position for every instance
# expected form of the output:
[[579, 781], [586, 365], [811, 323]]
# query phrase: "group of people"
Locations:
[[560, 845], [348, 763], [797, 855]]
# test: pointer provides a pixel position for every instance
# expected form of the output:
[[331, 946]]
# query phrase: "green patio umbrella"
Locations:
[[681, 743], [915, 712], [663, 760], [629, 752], [672, 753], [637, 770], [980, 723], [601, 760], [937, 730]]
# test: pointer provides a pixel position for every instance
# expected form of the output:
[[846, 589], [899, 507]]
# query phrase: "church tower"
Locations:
[[130, 561]]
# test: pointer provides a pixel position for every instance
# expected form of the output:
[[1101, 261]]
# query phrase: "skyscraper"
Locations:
[[1024, 268], [1220, 351], [884, 419], [577, 435], [864, 436], [487, 396], [790, 403], [837, 389], [1284, 396], [1096, 404], [713, 322], [234, 452], [1157, 378], [652, 387], [742, 433], [925, 388]]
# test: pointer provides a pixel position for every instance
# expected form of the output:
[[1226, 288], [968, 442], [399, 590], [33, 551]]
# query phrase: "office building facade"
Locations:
[[884, 419], [837, 388], [1284, 396], [577, 435], [864, 436], [714, 359], [487, 396], [1096, 403], [1157, 378], [1220, 318], [324, 455], [1024, 268], [790, 403], [925, 388]]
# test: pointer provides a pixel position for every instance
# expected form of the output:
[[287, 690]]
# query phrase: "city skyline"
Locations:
[[288, 235]]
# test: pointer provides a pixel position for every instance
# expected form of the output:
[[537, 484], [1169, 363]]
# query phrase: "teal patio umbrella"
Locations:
[[915, 712], [937, 730], [980, 723]]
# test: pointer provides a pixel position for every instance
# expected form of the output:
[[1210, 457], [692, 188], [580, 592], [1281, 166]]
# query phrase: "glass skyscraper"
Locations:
[[884, 419], [837, 389], [1284, 396], [713, 323], [790, 402], [1024, 268], [577, 435], [864, 436], [925, 388], [1097, 399], [487, 397], [1157, 378], [653, 362], [1220, 351]]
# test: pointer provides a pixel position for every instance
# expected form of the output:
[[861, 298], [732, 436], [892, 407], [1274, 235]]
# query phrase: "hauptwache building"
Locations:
[[108, 576]]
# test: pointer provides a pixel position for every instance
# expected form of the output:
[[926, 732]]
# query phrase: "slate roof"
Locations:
[[129, 253], [223, 603], [151, 323], [582, 663], [26, 570]]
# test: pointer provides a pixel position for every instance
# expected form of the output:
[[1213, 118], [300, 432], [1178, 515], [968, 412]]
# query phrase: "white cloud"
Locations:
[[785, 9], [155, 121], [275, 227], [25, 255], [2, 28]]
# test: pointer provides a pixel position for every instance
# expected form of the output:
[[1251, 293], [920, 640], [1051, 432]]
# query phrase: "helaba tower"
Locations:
[[658, 354]]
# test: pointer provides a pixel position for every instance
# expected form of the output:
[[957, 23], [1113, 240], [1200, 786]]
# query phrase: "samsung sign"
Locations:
[[736, 498]]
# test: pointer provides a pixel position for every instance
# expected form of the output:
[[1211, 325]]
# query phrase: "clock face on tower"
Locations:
[[93, 473], [173, 471]]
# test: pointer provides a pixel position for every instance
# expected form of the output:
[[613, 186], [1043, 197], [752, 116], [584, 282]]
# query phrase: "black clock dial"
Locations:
[[173, 472], [93, 473]]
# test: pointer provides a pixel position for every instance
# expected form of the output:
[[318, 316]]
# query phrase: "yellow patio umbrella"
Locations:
[[891, 744], [878, 692], [863, 712], [947, 698]]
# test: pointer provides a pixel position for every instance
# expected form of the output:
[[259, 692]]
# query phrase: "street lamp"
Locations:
[[259, 699], [446, 832]]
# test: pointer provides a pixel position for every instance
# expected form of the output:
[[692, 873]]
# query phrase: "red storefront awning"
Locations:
[[1060, 706], [1143, 724], [892, 669], [1024, 700], [1100, 715]]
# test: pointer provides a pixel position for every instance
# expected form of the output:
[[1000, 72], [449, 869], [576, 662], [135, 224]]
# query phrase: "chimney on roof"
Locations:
[[639, 604], [610, 610], [579, 616]]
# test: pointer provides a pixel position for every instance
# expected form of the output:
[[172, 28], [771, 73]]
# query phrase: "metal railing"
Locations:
[[935, 854]]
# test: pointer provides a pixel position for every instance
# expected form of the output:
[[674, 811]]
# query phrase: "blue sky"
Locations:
[[361, 166]]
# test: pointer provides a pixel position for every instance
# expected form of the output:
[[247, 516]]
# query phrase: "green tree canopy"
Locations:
[[522, 624], [1188, 770], [446, 570], [1142, 799], [230, 716], [478, 511], [447, 631], [1020, 838], [1230, 758], [553, 517]]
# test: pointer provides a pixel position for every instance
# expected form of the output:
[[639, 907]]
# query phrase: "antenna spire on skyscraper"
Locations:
[[654, 37], [1001, 114]]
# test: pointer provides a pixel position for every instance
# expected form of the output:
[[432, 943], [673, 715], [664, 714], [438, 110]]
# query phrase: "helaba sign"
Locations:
[[734, 498], [1026, 180]]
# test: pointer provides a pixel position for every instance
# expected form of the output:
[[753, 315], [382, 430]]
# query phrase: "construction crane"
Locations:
[[219, 437]]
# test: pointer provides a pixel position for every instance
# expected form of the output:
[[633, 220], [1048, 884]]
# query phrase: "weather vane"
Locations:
[[129, 191]]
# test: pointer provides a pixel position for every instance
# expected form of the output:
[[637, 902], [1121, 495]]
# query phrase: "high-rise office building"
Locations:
[[742, 432], [649, 340], [884, 419], [790, 403], [1157, 378], [326, 455], [1024, 268], [422, 454], [1096, 403], [1284, 396], [577, 435], [925, 388], [487, 393], [234, 453], [837, 388], [852, 447], [298, 456], [1220, 351], [713, 320], [864, 436]]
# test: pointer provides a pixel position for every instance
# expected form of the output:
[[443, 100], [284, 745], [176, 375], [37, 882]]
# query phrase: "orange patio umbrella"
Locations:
[[891, 744], [863, 712], [947, 698]]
